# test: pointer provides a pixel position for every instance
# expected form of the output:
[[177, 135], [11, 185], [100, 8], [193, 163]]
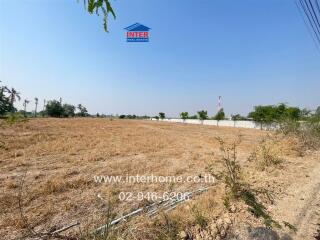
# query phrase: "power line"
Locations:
[[310, 18], [318, 7], [315, 28], [307, 26], [313, 15]]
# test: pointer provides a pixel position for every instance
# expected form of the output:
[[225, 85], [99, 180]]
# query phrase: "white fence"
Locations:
[[221, 123]]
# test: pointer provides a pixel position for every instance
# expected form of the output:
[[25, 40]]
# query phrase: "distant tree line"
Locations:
[[53, 108], [264, 115], [277, 113], [202, 115], [261, 114], [122, 116]]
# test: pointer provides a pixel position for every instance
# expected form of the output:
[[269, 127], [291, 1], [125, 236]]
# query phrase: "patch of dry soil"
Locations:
[[301, 205]]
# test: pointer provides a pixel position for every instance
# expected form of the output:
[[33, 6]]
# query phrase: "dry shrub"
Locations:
[[59, 185], [309, 136], [307, 133], [168, 225], [101, 218], [292, 146], [199, 216], [53, 186], [267, 153]]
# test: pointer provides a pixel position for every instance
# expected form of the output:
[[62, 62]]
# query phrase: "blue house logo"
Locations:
[[137, 33]]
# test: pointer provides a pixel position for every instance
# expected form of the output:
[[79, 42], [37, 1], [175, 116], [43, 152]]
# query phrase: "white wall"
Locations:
[[222, 123]]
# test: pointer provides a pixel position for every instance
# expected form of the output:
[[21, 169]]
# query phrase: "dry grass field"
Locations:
[[60, 157]]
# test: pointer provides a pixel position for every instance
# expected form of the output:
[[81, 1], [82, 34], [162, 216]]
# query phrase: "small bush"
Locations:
[[307, 132], [107, 233], [267, 153], [164, 227], [13, 118], [289, 127], [199, 217]]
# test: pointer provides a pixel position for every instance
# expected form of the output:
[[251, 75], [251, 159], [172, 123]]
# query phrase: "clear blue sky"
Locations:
[[250, 52]]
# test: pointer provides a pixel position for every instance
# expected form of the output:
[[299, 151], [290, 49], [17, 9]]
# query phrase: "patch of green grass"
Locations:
[[13, 118]]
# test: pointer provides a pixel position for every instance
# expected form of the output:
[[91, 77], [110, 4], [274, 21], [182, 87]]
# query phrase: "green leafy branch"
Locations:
[[98, 6]]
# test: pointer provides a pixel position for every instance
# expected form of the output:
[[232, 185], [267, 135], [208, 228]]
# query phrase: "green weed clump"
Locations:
[[199, 217], [13, 118], [237, 189]]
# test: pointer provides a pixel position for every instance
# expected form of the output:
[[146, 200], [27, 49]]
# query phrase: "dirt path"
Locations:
[[301, 206]]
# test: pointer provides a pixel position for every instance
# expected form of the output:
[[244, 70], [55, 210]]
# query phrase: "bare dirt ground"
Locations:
[[301, 203], [60, 157]]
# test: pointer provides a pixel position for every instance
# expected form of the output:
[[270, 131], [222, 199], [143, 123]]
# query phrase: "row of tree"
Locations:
[[129, 116], [53, 108], [202, 115], [281, 112], [261, 114]]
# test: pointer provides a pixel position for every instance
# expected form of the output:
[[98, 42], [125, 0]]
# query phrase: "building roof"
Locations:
[[137, 27]]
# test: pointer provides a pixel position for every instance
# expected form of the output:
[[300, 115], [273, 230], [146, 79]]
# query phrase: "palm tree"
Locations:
[[36, 102], [25, 106], [83, 112], [5, 104], [44, 104], [3, 89], [13, 95], [80, 107]]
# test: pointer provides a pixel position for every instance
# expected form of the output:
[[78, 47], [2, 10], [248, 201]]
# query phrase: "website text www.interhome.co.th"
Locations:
[[153, 179]]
